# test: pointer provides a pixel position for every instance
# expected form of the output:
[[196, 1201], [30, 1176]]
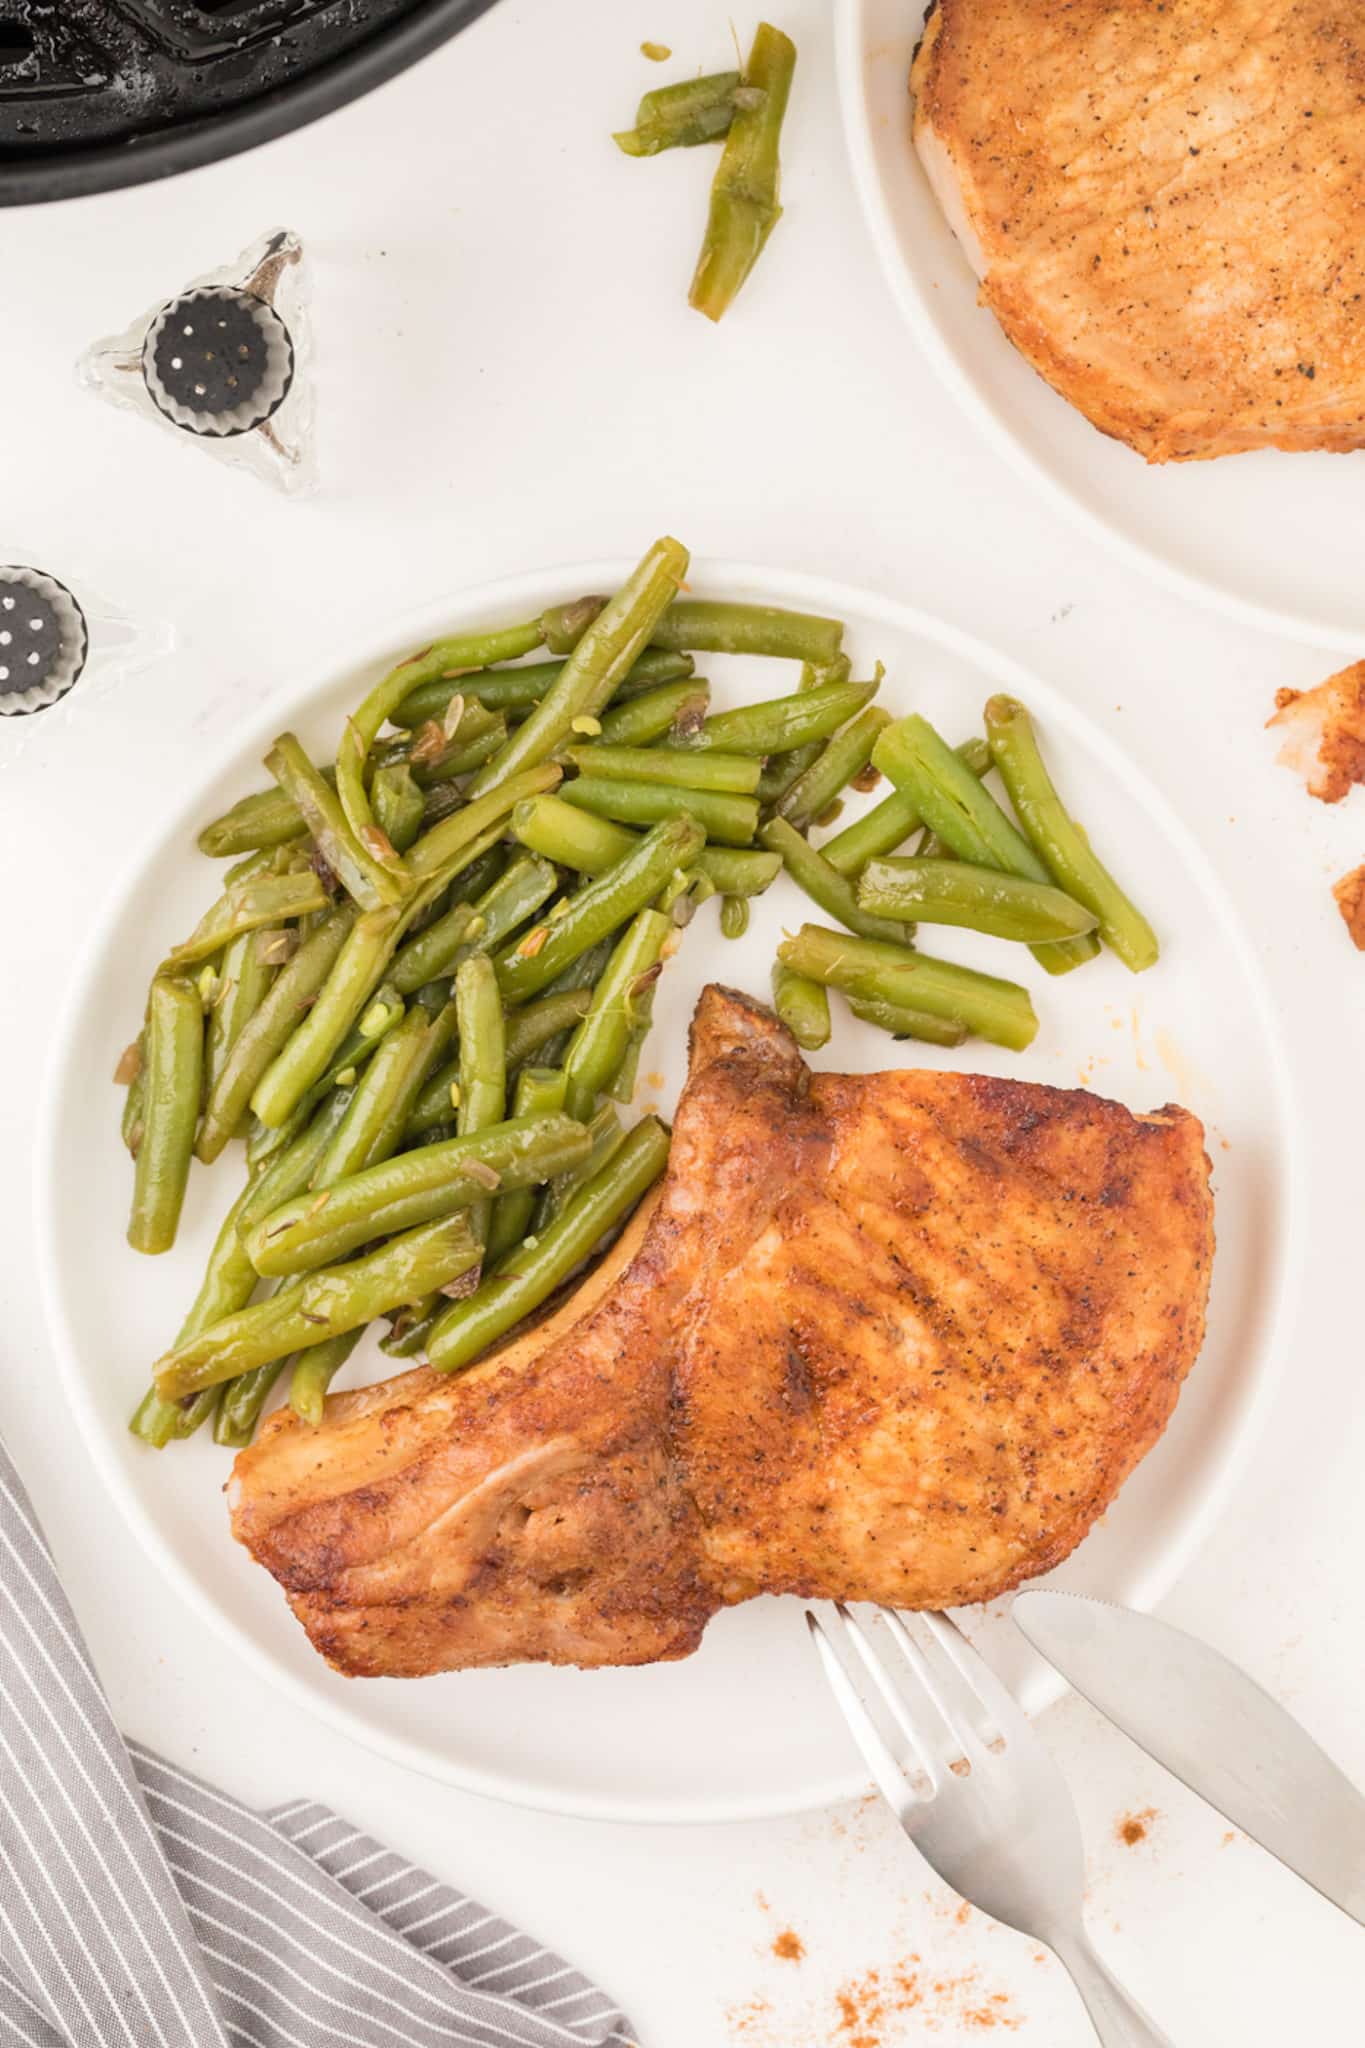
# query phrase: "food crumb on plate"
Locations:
[[788, 1946], [1132, 1828], [1350, 898], [1324, 732]]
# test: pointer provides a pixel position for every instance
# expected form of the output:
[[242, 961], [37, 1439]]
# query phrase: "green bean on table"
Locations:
[[527, 1277], [328, 1303], [745, 206], [601, 658], [415, 1187], [170, 1113], [983, 899], [991, 1008], [890, 823], [964, 814], [682, 115], [731, 819], [1056, 838], [600, 907]]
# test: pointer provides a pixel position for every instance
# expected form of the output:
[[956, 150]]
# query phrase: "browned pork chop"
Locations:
[[1166, 207], [894, 1337]]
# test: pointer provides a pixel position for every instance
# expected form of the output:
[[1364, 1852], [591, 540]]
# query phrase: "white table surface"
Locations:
[[509, 376]]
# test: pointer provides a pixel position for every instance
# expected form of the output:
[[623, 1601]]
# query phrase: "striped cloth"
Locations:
[[139, 1908]]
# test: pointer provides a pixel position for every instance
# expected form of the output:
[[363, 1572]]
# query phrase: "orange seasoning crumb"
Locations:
[[1324, 732], [1132, 1828], [1350, 896], [788, 1947]]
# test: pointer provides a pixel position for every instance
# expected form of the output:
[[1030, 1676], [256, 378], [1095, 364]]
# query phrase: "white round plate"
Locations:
[[1271, 538], [743, 1728]]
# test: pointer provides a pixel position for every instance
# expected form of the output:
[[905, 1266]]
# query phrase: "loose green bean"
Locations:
[[903, 1022], [269, 1029], [955, 805], [982, 899], [328, 1303], [416, 1187], [776, 725], [803, 1006], [1058, 840], [732, 774], [680, 116], [600, 907], [731, 819], [529, 1275], [825, 886], [642, 720], [845, 754], [246, 907], [599, 1044], [175, 1066], [745, 207], [738, 871], [354, 861], [734, 917], [890, 823], [601, 658], [1000, 1011]]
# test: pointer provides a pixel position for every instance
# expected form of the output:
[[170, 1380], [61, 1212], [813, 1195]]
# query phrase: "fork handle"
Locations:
[[1117, 2019]]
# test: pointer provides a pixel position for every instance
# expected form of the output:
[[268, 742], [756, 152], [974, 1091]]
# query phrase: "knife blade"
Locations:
[[1214, 1728]]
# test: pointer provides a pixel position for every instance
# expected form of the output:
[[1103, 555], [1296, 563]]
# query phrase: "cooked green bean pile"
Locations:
[[425, 985]]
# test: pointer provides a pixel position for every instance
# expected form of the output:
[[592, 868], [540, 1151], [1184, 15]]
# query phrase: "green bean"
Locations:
[[982, 899], [968, 819], [738, 871], [246, 907], [890, 823], [455, 842], [540, 1092], [571, 838], [416, 1187], [240, 1401], [842, 757], [731, 819], [529, 1030], [450, 659], [564, 625], [599, 1044], [782, 770], [135, 1100], [599, 908], [483, 1063], [1058, 840], [680, 116], [444, 745], [269, 1029], [314, 1372], [519, 689], [265, 819], [376, 1120], [708, 626], [825, 886], [607, 1134], [776, 725], [642, 720], [243, 984], [328, 1303], [355, 862], [733, 774], [228, 1284], [355, 974], [993, 1009], [441, 794], [622, 1088], [175, 1065], [601, 658], [903, 1022], [803, 1006], [529, 1275], [734, 916], [475, 928], [397, 804], [745, 207]]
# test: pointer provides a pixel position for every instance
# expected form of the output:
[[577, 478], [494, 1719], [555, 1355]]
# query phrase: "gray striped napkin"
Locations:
[[139, 1908]]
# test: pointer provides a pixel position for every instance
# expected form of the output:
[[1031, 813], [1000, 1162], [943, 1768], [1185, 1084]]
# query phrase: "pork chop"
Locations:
[[895, 1337], [1165, 206]]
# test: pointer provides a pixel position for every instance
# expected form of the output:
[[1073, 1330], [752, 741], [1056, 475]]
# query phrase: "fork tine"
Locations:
[[993, 1695], [886, 1772], [897, 1705], [941, 1682]]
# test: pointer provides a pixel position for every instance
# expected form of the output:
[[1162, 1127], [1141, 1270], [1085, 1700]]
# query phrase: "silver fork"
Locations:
[[976, 1791]]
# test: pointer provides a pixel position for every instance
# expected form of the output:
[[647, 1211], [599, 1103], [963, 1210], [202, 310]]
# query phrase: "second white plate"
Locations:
[[1273, 539], [744, 1728]]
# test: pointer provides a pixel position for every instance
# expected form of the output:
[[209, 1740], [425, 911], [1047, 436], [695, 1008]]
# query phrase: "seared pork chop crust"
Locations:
[[1166, 207], [895, 1337]]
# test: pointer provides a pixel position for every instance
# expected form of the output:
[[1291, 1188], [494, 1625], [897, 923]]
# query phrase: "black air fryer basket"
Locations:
[[99, 93]]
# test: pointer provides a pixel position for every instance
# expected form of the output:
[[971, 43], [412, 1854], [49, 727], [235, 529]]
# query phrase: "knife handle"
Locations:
[[1117, 2019]]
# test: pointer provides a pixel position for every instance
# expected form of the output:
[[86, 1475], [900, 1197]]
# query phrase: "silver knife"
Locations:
[[1214, 1728]]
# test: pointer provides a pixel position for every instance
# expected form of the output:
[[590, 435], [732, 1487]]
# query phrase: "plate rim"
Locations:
[[916, 308], [493, 599]]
